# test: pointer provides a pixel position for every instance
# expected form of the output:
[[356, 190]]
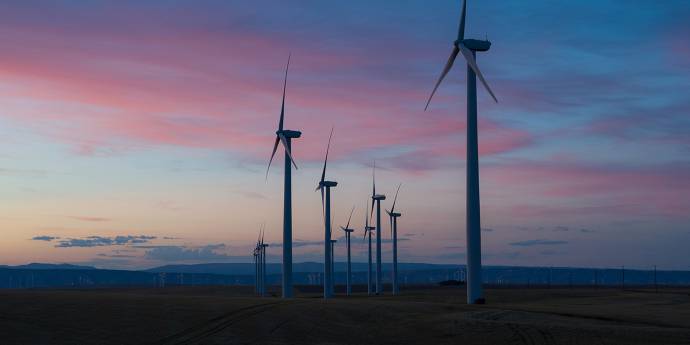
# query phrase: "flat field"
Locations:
[[433, 315]]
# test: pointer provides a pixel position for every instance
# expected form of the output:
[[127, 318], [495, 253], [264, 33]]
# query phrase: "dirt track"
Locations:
[[214, 315]]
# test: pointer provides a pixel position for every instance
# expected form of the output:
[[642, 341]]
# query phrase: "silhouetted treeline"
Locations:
[[43, 276]]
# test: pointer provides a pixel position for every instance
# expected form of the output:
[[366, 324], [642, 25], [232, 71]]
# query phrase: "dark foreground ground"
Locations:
[[225, 315]]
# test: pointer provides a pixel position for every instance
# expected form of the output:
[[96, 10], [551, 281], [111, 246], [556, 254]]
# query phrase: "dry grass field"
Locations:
[[226, 315]]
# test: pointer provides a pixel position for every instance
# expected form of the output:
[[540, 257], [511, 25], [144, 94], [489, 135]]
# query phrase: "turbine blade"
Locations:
[[287, 149], [282, 107], [275, 147], [396, 198], [390, 218], [325, 161], [366, 215], [461, 28], [473, 64], [350, 218], [449, 64], [323, 207], [373, 190]]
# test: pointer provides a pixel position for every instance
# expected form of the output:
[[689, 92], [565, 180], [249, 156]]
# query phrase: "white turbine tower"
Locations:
[[376, 199], [393, 217], [468, 48], [368, 230], [348, 232], [325, 187], [285, 137]]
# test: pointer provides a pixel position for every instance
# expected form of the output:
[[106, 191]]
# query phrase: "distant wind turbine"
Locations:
[[255, 253], [368, 231], [263, 265], [258, 260], [393, 216], [285, 137], [348, 232], [377, 198], [468, 48], [325, 188]]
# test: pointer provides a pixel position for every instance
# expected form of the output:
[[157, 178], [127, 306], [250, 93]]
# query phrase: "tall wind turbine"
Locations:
[[468, 48], [393, 217], [285, 137], [368, 231], [376, 199], [348, 232], [325, 187]]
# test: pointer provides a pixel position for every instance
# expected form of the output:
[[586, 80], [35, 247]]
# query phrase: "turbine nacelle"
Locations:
[[327, 184], [472, 44], [379, 197], [346, 230], [394, 214], [289, 133]]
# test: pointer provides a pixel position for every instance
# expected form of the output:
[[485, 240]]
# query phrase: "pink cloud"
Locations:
[[117, 90]]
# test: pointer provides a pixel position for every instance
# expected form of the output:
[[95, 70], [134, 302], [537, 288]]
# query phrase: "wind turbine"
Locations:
[[263, 265], [285, 137], [325, 187], [257, 264], [255, 253], [377, 198], [367, 231], [348, 232], [393, 217], [468, 48]]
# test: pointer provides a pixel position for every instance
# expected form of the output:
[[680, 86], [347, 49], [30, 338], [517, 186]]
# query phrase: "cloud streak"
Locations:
[[539, 242], [96, 241]]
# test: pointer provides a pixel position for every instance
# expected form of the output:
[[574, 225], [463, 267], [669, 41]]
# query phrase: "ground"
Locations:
[[228, 315]]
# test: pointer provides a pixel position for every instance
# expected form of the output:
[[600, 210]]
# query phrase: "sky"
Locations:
[[136, 134]]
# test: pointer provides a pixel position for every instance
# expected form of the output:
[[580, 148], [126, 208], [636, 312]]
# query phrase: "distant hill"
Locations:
[[42, 266]]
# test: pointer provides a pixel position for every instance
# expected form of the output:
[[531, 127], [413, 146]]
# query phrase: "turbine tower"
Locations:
[[325, 187], [377, 198], [285, 137], [393, 217], [348, 232], [468, 48], [333, 266], [368, 231]]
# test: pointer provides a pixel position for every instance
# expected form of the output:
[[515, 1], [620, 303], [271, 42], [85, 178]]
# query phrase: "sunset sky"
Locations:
[[135, 134]]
